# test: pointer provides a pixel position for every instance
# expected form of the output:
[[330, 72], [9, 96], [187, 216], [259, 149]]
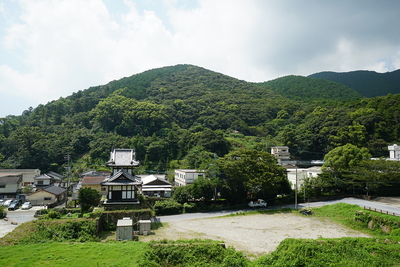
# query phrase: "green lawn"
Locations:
[[75, 254]]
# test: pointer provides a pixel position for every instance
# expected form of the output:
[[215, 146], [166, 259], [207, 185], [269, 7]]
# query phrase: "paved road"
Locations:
[[350, 200]]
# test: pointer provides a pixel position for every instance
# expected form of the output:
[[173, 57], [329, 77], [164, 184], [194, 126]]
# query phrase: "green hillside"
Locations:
[[367, 83], [185, 116], [311, 89]]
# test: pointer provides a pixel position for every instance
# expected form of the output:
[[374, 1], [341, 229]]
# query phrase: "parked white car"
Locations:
[[7, 202], [26, 206], [258, 203]]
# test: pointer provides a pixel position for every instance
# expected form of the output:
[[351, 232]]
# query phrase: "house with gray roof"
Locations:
[[50, 196], [10, 185]]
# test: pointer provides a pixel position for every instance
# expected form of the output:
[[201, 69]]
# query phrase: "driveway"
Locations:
[[395, 207], [19, 216]]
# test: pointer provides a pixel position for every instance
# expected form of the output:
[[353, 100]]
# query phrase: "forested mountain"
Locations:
[[367, 83], [185, 116], [311, 89]]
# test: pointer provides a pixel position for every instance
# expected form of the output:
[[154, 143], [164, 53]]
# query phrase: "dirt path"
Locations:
[[254, 235]]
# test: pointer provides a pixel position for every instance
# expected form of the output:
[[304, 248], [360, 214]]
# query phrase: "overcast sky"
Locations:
[[52, 48]]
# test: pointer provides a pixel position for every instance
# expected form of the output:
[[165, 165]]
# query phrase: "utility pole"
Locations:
[[295, 192], [67, 157]]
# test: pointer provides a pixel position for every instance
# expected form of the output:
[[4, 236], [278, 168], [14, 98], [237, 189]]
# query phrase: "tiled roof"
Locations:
[[93, 179], [10, 179], [55, 190], [121, 178], [123, 157]]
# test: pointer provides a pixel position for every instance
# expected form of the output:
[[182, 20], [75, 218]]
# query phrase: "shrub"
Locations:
[[189, 207], [3, 212], [54, 214], [167, 207]]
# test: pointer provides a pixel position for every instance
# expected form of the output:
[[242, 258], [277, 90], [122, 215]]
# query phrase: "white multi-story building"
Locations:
[[301, 174], [281, 152], [187, 176]]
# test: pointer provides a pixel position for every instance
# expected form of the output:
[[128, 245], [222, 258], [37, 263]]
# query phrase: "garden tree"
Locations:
[[342, 162], [27, 189], [88, 198], [252, 171], [204, 188], [183, 193]]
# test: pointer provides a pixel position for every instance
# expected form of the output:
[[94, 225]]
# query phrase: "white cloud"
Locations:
[[56, 47]]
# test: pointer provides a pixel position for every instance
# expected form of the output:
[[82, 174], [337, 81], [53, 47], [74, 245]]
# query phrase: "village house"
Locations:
[[94, 181], [10, 185], [49, 196], [155, 186], [47, 179], [27, 174]]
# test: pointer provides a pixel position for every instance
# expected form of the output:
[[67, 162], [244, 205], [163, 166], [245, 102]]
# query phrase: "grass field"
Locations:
[[382, 249]]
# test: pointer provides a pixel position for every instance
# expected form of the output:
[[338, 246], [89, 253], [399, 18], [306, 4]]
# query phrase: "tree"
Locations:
[[183, 193], [204, 188], [88, 198], [343, 163], [345, 157], [251, 171]]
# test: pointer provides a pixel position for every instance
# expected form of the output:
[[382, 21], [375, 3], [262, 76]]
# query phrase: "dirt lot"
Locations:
[[253, 234]]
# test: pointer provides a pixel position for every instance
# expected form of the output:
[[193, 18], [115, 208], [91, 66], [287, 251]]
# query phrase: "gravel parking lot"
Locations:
[[254, 235]]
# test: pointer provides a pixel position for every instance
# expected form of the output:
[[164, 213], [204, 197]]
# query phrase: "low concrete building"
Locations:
[[186, 176], [302, 174]]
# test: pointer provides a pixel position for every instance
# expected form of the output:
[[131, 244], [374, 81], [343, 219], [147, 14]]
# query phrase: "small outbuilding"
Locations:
[[144, 227], [124, 229]]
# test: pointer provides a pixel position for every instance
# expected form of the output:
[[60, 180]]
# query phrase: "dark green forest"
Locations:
[[184, 116], [367, 83]]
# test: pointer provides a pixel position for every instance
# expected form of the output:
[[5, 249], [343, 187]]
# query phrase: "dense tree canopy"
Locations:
[[189, 114], [252, 171]]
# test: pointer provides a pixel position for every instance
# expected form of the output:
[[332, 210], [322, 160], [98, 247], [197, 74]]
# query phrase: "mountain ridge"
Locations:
[[367, 83]]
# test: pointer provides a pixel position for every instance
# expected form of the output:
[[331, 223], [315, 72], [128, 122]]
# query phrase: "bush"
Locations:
[[3, 212], [167, 207], [54, 214], [189, 207], [196, 253]]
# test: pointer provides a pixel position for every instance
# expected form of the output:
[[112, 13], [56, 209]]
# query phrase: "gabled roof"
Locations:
[[19, 171], [121, 178], [92, 180], [153, 180], [45, 176], [55, 190], [123, 158], [11, 179], [55, 175]]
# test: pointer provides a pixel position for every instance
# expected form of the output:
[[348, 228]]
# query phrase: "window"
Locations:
[[39, 182], [103, 189], [2, 186], [47, 198]]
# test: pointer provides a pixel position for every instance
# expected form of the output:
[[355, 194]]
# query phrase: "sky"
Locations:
[[53, 48]]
